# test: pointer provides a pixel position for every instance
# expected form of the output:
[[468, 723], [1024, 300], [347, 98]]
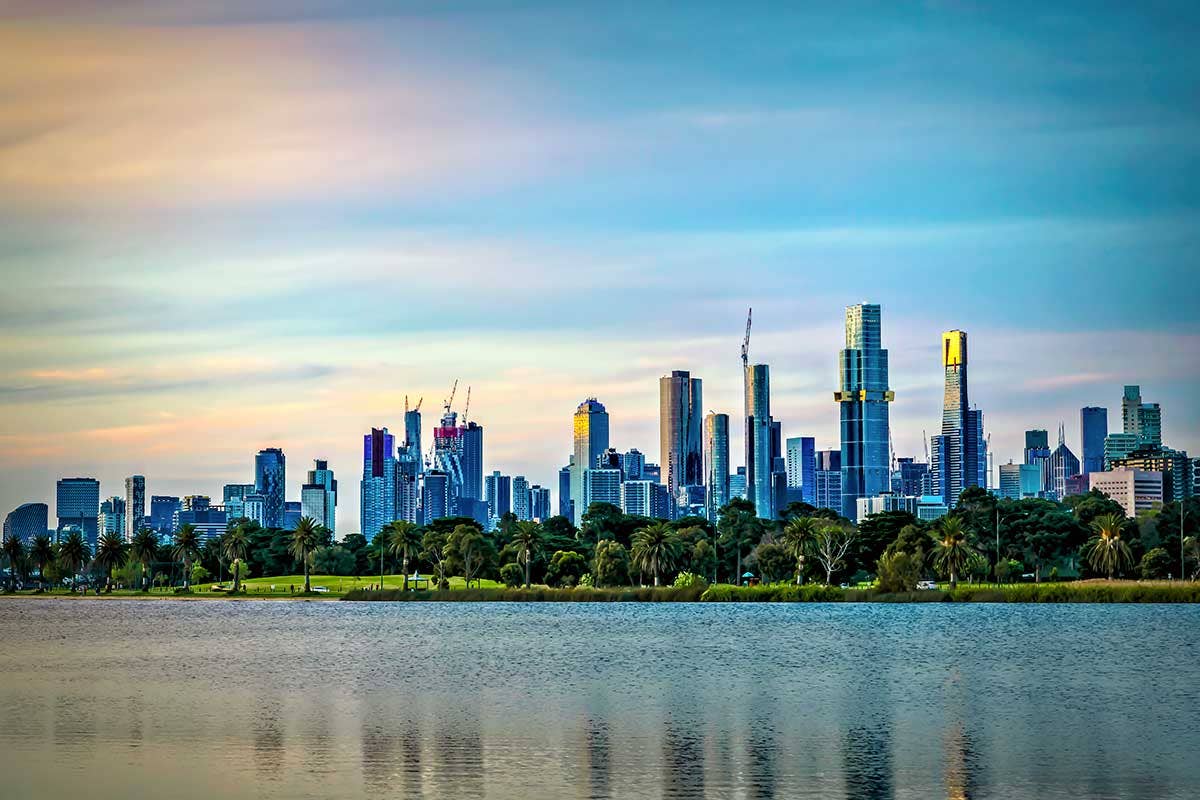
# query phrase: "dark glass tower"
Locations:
[[1093, 427], [758, 439], [680, 419], [959, 458], [270, 480], [864, 397]]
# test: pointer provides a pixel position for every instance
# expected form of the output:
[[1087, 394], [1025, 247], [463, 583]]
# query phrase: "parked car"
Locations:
[[926, 584], [321, 589]]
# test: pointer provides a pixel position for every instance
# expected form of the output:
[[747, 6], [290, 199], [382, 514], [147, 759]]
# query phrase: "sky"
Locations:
[[226, 226]]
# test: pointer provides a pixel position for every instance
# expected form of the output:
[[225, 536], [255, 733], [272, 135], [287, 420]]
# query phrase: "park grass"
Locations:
[[539, 594]]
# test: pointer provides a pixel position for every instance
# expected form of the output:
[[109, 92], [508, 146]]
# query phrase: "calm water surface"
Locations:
[[103, 699]]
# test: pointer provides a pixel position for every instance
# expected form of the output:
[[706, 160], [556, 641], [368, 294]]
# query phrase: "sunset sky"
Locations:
[[234, 225]]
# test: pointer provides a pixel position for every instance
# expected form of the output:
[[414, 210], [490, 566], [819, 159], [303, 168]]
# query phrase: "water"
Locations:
[[208, 700]]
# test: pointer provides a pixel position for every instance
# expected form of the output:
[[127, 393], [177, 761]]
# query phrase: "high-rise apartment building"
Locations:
[[520, 498], [163, 509], [135, 505], [633, 463], [644, 498], [377, 491], [591, 439], [233, 497], [757, 384], [802, 466], [1117, 446], [1135, 489], [111, 518], [270, 481], [680, 429], [829, 480], [601, 486], [77, 502], [1174, 466], [565, 506], [863, 398], [1093, 427], [293, 510], [539, 503], [318, 496], [716, 463], [959, 459], [1143, 420], [497, 491], [471, 436], [737, 484], [435, 496], [911, 478], [27, 521]]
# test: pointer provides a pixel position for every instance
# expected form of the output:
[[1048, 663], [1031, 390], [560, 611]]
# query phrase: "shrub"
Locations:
[[512, 575], [899, 571], [689, 579], [1156, 564]]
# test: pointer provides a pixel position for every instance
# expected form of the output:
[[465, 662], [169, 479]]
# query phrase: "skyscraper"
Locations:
[[409, 467], [447, 457], [1093, 427], [435, 496], [111, 518], [633, 462], [1131, 403], [77, 502], [601, 486], [378, 487], [680, 430], [163, 509], [135, 505], [591, 439], [27, 521], [565, 507], [757, 384], [318, 496], [829, 480], [520, 498], [802, 466], [497, 491], [1063, 466], [716, 462], [1143, 420], [539, 503], [863, 397], [956, 463], [471, 435], [270, 480], [1037, 453]]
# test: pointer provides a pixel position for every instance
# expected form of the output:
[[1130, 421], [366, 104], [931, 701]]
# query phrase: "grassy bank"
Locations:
[[540, 594]]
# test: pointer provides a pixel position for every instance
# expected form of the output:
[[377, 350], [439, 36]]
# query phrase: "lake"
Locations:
[[177, 699]]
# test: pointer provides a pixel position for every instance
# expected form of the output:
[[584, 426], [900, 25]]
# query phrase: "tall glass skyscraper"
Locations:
[[27, 521], [802, 467], [378, 487], [591, 439], [1093, 427], [958, 454], [270, 481], [318, 496], [680, 418], [471, 435], [135, 505], [716, 462], [77, 502], [757, 385], [864, 397]]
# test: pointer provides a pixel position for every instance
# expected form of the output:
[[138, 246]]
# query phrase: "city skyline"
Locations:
[[422, 201]]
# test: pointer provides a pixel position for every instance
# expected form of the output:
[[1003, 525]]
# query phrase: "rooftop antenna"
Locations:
[[746, 341]]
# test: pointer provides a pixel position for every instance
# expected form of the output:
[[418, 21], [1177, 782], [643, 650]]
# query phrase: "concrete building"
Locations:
[[1174, 466], [135, 505], [716, 463], [590, 426], [1117, 446], [1136, 490], [645, 498], [27, 521], [520, 498], [863, 397], [1019, 481]]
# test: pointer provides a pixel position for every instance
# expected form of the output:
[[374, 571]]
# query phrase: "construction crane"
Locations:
[[450, 400], [418, 406], [925, 439], [467, 407], [746, 341]]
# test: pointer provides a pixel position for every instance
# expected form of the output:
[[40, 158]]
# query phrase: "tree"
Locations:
[[187, 548], [610, 565], [527, 537], [510, 575], [472, 548], [797, 539], [41, 552], [1191, 547], [200, 574], [1156, 564], [434, 549], [704, 559], [567, 567], [14, 551], [1109, 553], [738, 528], [233, 547], [305, 539], [335, 560], [144, 550], [403, 540], [831, 542], [876, 533], [952, 552], [111, 552], [655, 550], [356, 544], [774, 562], [73, 553], [899, 571]]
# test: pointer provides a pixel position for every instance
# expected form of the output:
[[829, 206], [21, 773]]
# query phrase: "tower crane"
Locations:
[[450, 400], [746, 341], [467, 407]]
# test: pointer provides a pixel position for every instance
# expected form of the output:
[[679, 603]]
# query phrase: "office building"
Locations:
[[829, 480], [1131, 403], [610, 459], [254, 508], [565, 506], [1135, 489], [757, 384], [716, 463], [958, 458], [802, 467], [322, 509], [1117, 446], [590, 426], [1063, 466], [135, 505], [539, 503], [645, 499], [520, 498], [911, 478], [111, 518], [163, 509], [632, 463], [471, 436], [198, 511], [77, 502], [651, 472], [1174, 466], [863, 397], [737, 484], [377, 490], [680, 430], [1142, 420], [270, 481], [233, 496], [292, 511], [1037, 454], [435, 496], [497, 491], [926, 508], [1077, 485], [27, 521], [1093, 427], [1018, 481], [601, 486]]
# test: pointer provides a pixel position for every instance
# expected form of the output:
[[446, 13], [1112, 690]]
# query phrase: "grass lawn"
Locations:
[[279, 586]]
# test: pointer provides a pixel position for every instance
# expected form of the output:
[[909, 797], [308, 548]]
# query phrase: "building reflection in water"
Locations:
[[598, 757], [867, 760], [458, 757], [762, 749], [269, 739], [683, 762], [960, 763]]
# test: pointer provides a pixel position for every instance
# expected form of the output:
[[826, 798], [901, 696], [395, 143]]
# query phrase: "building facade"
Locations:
[[829, 480], [601, 486], [590, 428], [111, 518], [270, 481], [863, 397], [680, 429], [520, 498], [27, 521], [77, 502], [323, 510], [135, 505], [1093, 428], [1135, 489], [757, 384], [802, 466], [497, 491], [377, 490], [163, 509], [716, 463]]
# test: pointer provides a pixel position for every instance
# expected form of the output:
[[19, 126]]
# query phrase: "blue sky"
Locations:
[[226, 226]]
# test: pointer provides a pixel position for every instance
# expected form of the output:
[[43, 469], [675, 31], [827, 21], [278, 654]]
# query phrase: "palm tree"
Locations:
[[111, 552], [41, 552], [14, 551], [953, 551], [187, 547], [528, 537], [304, 541], [1109, 554], [73, 553], [403, 539], [656, 549], [797, 539], [144, 549], [234, 545]]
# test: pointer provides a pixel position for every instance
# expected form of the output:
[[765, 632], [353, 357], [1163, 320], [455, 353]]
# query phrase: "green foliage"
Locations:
[[586, 581], [1156, 564], [336, 560], [900, 571], [537, 594], [512, 575], [1109, 554], [689, 580], [566, 568], [953, 550], [472, 551], [656, 550], [773, 563], [773, 593], [200, 574], [610, 565]]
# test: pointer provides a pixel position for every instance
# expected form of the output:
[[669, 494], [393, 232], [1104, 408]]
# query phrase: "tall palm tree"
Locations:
[[111, 552], [797, 539], [527, 535], [73, 553], [304, 541], [656, 549], [144, 549], [403, 539], [234, 545], [953, 551], [187, 548], [14, 551], [41, 552], [1109, 554]]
